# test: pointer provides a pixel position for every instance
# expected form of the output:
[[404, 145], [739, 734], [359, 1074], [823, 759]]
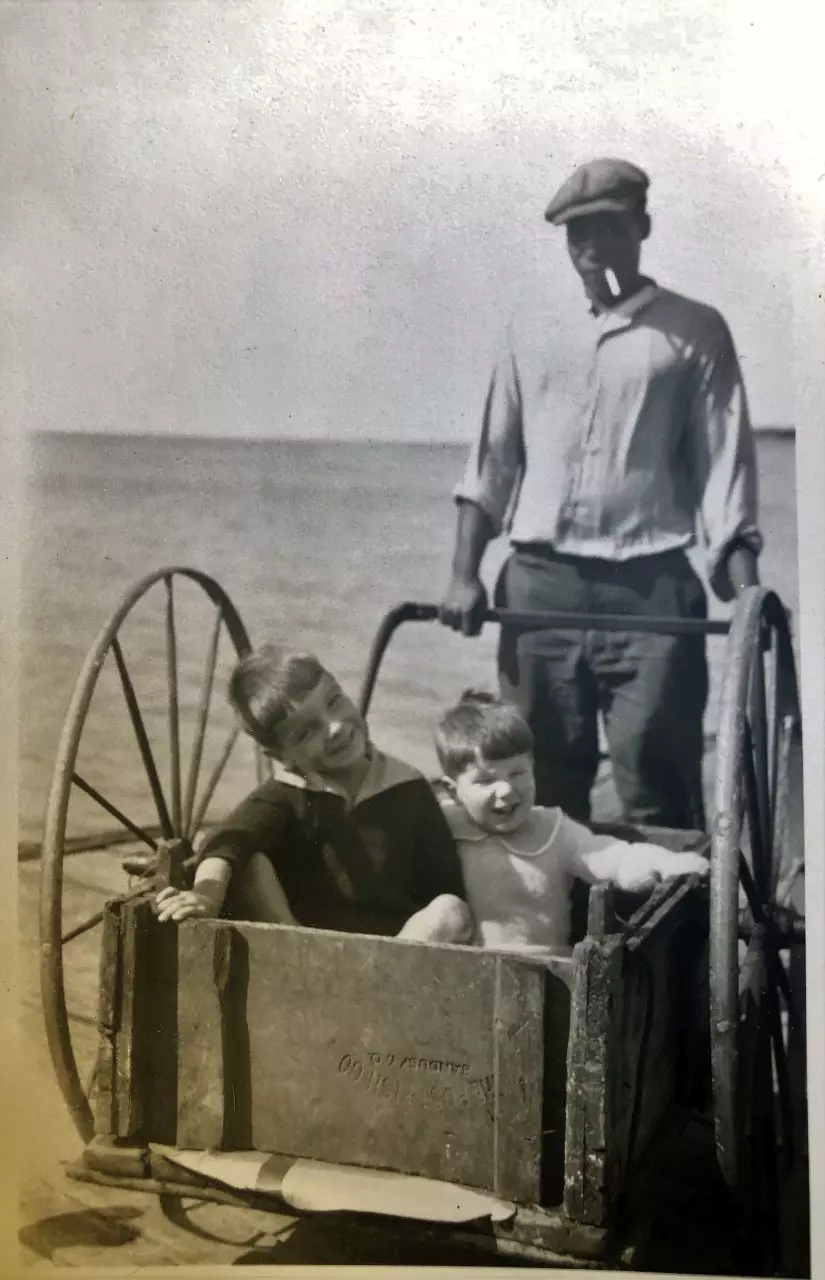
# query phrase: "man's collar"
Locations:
[[627, 308]]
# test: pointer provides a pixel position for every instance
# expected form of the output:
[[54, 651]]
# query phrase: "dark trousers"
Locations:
[[651, 690]]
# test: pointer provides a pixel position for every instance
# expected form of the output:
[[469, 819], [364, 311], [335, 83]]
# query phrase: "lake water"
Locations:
[[313, 542]]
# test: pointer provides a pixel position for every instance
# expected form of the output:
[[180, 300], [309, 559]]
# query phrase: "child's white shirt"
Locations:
[[518, 884]]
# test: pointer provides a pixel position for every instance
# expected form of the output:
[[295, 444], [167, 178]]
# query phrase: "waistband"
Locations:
[[546, 551]]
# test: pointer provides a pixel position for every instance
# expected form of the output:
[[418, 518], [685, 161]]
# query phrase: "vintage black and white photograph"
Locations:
[[411, 831]]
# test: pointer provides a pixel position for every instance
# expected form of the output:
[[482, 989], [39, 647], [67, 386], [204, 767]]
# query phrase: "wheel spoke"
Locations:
[[757, 910], [92, 921], [217, 774], [110, 808], [92, 1080], [203, 716], [785, 888], [143, 741], [174, 711], [779, 976], [79, 929], [783, 1078], [760, 919], [751, 973]]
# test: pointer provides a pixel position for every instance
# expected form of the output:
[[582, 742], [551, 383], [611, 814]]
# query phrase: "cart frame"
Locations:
[[756, 854]]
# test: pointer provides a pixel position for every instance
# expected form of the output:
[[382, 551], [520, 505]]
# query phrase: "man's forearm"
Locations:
[[475, 531]]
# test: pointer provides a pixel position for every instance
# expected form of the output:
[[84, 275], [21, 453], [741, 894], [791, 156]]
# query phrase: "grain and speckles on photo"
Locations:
[[411, 829]]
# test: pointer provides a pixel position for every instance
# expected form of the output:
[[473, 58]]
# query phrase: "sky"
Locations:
[[310, 218]]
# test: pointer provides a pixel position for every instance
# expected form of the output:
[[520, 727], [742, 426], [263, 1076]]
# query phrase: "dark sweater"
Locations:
[[363, 868]]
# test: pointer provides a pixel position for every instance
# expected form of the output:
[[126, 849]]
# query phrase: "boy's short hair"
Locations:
[[480, 725], [265, 685]]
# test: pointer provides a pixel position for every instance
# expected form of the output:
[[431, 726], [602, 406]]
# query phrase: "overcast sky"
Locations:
[[308, 218]]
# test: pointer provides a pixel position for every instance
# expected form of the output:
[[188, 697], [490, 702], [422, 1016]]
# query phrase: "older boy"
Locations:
[[342, 837]]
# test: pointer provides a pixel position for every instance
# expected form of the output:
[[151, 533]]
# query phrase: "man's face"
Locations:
[[601, 242]]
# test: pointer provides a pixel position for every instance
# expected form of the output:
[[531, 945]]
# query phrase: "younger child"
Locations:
[[342, 837], [519, 861]]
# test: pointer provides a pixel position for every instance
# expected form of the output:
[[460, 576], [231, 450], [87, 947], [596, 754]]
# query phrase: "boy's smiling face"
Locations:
[[497, 794], [324, 732]]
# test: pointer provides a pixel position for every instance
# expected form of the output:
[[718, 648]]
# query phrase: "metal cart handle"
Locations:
[[414, 611]]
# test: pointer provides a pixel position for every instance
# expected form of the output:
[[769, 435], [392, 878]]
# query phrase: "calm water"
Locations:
[[313, 542]]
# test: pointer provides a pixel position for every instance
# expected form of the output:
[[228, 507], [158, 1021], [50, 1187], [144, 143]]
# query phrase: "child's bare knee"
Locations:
[[454, 916]]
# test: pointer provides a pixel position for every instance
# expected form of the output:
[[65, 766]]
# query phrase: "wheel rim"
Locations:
[[180, 816], [756, 850]]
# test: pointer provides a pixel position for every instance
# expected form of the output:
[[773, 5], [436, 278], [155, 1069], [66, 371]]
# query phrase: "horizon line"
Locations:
[[768, 429]]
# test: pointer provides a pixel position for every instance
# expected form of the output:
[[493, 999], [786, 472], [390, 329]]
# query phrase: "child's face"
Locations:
[[324, 732], [497, 794]]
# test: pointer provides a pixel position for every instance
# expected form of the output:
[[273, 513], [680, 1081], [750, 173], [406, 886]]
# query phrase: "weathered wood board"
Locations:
[[136, 1093], [361, 1050], [636, 1017]]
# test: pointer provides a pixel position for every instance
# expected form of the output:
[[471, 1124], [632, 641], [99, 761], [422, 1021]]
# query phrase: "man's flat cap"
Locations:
[[598, 186]]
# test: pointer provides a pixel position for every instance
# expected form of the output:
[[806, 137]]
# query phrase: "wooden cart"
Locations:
[[476, 1097]]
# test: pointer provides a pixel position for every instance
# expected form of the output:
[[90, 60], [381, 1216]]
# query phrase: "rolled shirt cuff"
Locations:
[[749, 539], [495, 504]]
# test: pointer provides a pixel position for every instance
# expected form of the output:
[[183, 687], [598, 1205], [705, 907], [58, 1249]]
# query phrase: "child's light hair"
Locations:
[[265, 686], [480, 726]]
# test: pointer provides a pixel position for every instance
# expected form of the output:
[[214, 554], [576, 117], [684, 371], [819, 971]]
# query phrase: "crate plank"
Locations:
[[131, 1078], [519, 1079], [107, 1018], [202, 955]]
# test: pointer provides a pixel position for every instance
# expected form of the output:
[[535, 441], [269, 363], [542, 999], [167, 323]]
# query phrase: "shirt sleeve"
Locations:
[[437, 864], [723, 455], [495, 466], [634, 867], [258, 825]]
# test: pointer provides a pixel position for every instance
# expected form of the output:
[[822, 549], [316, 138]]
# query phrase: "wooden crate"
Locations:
[[543, 1084], [439, 1061]]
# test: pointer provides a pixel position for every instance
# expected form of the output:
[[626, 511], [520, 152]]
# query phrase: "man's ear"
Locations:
[[645, 225]]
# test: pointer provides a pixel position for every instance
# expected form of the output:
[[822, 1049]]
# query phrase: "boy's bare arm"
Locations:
[[629, 866], [206, 897], [639, 866]]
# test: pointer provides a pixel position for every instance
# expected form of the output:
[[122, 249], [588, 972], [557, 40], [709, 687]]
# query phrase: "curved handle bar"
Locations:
[[414, 611]]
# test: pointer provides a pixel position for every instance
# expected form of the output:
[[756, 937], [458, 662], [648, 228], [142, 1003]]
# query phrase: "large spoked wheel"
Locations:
[[757, 859], [138, 738]]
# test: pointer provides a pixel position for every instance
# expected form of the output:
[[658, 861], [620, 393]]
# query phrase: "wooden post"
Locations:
[[172, 855], [601, 916]]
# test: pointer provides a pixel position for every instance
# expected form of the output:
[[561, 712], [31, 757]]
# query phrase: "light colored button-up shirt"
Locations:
[[633, 440]]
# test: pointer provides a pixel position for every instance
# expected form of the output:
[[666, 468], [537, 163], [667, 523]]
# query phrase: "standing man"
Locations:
[[604, 458]]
